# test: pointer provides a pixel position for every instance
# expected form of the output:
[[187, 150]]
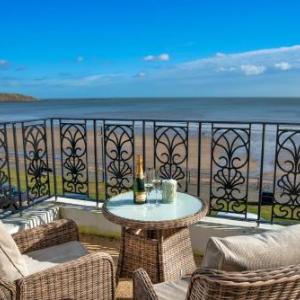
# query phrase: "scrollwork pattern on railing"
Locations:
[[36, 161], [119, 155], [171, 152], [5, 202], [3, 158], [230, 167], [74, 158], [287, 176]]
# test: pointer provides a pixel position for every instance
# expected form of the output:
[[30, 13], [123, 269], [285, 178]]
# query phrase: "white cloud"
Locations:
[[235, 70], [270, 51], [164, 57], [4, 64], [226, 69], [218, 74], [140, 75], [79, 59], [149, 58], [223, 67], [264, 57], [251, 70], [284, 66], [220, 54], [160, 57], [89, 80]]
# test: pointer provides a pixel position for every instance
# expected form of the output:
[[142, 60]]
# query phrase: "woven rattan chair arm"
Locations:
[[89, 277], [142, 286], [282, 283], [54, 233], [7, 290], [251, 276]]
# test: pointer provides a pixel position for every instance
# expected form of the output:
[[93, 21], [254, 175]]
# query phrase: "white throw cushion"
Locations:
[[270, 249], [172, 290], [39, 214], [12, 265], [46, 258]]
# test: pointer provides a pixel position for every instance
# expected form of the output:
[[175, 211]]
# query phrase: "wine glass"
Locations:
[[148, 183], [156, 181]]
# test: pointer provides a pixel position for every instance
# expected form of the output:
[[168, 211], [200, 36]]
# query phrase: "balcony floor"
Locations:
[[111, 246]]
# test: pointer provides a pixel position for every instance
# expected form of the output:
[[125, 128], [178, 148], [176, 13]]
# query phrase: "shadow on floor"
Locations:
[[111, 246]]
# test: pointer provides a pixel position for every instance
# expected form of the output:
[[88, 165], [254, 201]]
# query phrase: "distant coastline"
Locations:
[[13, 97]]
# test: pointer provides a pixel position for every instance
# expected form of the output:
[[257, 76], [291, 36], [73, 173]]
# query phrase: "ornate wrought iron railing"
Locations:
[[248, 171]]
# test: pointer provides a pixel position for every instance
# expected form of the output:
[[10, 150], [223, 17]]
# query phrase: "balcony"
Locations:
[[247, 173]]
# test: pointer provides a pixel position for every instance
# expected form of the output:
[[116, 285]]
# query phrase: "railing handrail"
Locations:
[[253, 122]]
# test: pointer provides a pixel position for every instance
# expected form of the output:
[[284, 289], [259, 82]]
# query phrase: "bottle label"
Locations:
[[139, 184], [140, 197]]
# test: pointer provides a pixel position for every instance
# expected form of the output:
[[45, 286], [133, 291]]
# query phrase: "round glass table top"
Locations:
[[123, 207]]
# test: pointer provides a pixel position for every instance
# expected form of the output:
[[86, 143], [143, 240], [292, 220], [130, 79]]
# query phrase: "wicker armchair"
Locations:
[[280, 284], [88, 277]]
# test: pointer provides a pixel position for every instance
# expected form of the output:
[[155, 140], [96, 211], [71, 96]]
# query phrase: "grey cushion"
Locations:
[[12, 265], [270, 249], [172, 290], [43, 259]]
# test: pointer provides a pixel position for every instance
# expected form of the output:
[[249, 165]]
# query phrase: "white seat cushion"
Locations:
[[12, 264], [40, 260], [270, 249], [172, 290]]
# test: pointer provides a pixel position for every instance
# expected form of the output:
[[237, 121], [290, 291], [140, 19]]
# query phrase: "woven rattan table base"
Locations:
[[164, 254]]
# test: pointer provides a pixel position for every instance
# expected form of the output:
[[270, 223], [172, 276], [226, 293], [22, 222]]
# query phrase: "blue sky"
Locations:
[[150, 48]]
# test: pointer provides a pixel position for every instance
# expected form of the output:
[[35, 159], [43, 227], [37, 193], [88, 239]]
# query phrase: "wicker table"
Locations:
[[155, 236]]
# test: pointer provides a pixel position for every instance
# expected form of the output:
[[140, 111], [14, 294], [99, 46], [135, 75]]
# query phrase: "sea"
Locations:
[[202, 109]]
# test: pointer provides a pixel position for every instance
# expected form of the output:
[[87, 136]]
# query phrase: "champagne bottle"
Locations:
[[139, 182]]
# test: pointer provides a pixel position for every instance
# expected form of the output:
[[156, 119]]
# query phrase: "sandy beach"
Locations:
[[189, 153]]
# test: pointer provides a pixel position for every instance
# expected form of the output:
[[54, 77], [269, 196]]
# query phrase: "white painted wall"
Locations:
[[90, 219]]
